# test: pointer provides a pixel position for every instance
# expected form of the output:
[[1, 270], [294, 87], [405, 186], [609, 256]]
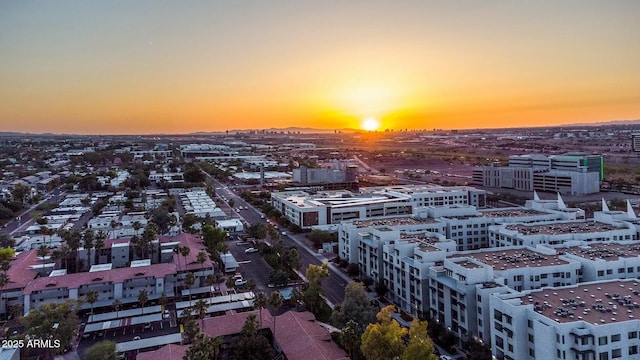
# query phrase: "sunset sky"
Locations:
[[126, 67]]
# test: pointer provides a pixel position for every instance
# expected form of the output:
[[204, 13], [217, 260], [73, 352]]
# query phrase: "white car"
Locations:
[[445, 357], [240, 282], [250, 250]]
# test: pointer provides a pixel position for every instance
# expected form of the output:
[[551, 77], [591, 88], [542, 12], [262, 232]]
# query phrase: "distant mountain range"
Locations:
[[306, 130], [291, 129], [604, 123]]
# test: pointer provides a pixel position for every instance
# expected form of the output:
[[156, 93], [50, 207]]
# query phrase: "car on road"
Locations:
[[136, 338], [250, 250], [240, 282], [284, 233], [445, 357], [261, 216]]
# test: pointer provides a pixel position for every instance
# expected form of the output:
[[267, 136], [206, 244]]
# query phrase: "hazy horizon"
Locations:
[[161, 67]]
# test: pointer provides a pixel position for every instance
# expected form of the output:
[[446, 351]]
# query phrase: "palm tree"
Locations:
[[116, 306], [163, 300], [101, 236], [64, 253], [88, 244], [92, 297], [42, 252], [136, 226], [189, 281], [73, 241], [231, 283], [176, 250], [276, 301], [184, 251], [143, 297], [201, 309], [260, 301], [201, 258]]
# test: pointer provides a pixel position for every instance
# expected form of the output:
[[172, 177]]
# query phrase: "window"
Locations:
[[621, 271], [604, 356], [633, 350], [615, 338], [616, 353], [602, 340], [633, 334], [600, 272], [530, 324], [497, 315], [531, 338], [609, 271]]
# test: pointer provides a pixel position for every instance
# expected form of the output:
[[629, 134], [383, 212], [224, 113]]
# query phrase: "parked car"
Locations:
[[250, 250], [240, 282], [136, 338]]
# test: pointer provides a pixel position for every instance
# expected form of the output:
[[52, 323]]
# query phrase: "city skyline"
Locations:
[[162, 67]]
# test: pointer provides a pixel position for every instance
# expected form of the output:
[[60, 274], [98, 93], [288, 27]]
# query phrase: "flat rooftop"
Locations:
[[605, 251], [393, 222], [596, 303], [467, 264], [513, 259], [511, 213], [574, 227]]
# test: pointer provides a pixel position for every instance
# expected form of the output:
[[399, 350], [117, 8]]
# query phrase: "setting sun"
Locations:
[[370, 124]]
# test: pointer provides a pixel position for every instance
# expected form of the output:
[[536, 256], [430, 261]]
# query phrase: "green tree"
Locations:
[[7, 241], [356, 307], [204, 347], [350, 338], [383, 340], [116, 306], [53, 321], [275, 300], [92, 298], [189, 281], [104, 350], [42, 252], [143, 297], [259, 302], [100, 237], [312, 293], [88, 237], [420, 345], [20, 192], [200, 308], [250, 344]]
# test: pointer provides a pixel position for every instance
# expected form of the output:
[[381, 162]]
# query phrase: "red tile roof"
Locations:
[[74, 281], [299, 335], [21, 272], [302, 338]]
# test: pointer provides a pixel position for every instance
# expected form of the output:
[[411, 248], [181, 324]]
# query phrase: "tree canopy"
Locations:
[[53, 321], [356, 306], [104, 350], [384, 339]]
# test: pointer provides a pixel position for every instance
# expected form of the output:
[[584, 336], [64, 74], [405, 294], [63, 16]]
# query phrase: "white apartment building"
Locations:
[[405, 264], [332, 207], [524, 268], [351, 233], [559, 232], [589, 321], [454, 290], [604, 261]]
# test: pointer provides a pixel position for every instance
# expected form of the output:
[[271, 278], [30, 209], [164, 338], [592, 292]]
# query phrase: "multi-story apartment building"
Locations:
[[589, 321], [34, 282], [454, 290], [405, 264], [332, 207], [350, 234], [559, 232]]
